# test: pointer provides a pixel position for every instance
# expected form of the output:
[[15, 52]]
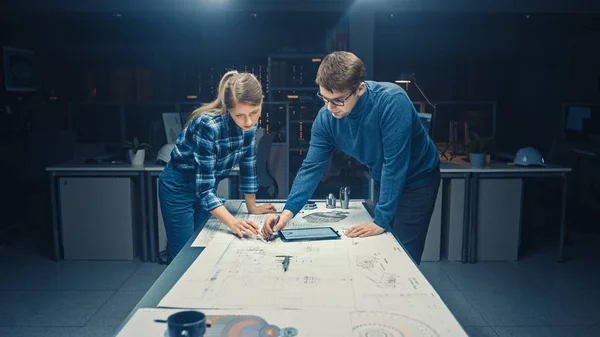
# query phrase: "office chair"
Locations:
[[265, 178]]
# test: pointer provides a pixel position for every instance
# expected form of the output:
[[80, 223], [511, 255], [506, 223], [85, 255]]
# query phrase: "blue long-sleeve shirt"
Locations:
[[209, 147], [383, 132]]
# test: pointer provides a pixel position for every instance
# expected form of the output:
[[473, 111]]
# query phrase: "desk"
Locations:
[[460, 169], [144, 177], [79, 169], [153, 171], [508, 171], [448, 171], [425, 301]]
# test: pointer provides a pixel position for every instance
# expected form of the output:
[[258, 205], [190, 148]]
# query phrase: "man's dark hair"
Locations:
[[340, 71]]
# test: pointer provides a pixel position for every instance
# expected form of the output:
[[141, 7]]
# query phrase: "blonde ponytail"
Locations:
[[219, 105], [234, 87]]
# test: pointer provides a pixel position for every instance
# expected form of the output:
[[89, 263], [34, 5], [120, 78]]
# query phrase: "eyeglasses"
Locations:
[[337, 102]]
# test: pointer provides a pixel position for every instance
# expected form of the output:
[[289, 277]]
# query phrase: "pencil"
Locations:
[[276, 221]]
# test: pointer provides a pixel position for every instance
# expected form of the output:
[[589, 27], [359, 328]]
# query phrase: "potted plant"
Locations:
[[478, 148], [136, 151]]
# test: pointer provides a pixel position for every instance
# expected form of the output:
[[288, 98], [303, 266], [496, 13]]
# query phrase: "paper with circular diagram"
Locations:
[[286, 323], [372, 281]]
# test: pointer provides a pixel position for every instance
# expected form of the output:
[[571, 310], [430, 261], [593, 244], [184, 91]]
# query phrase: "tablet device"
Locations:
[[309, 234]]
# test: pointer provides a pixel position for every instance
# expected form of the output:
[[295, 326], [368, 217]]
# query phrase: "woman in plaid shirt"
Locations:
[[217, 137]]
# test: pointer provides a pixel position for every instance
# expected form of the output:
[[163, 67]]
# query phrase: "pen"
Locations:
[[271, 236]]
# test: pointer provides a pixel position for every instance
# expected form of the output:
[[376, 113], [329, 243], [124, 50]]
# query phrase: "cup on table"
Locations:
[[187, 324]]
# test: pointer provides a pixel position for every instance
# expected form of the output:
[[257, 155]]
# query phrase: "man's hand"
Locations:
[[244, 226], [364, 230], [270, 227], [262, 209]]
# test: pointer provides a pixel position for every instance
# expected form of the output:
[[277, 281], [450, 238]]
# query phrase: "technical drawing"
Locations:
[[326, 217], [373, 268], [249, 274], [384, 324]]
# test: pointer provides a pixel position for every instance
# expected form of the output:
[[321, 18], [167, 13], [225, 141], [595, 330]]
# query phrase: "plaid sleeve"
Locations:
[[248, 179], [206, 158]]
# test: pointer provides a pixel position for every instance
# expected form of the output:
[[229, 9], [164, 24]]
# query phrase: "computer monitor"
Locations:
[[426, 121]]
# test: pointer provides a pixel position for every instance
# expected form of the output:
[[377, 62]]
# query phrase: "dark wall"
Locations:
[[530, 65], [78, 54]]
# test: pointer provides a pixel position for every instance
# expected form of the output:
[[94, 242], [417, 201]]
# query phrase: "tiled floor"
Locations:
[[533, 297]]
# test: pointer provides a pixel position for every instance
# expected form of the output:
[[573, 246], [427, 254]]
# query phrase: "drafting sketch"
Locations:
[[212, 228], [403, 302], [326, 217], [250, 274], [374, 268], [384, 324], [355, 215], [367, 286]]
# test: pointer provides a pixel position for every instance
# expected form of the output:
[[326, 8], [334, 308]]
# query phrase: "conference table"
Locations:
[[343, 287]]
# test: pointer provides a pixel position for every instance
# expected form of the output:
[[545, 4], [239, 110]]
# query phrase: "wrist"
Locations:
[[286, 215], [230, 221]]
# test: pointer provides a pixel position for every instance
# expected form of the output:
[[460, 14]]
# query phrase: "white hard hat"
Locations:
[[164, 154], [529, 156]]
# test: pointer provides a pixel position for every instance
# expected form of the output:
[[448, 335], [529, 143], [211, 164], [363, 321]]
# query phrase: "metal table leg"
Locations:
[[466, 217], [55, 230], [473, 218], [563, 220], [151, 224], [144, 223]]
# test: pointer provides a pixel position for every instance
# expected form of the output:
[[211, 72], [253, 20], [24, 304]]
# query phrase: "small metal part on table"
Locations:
[[330, 202]]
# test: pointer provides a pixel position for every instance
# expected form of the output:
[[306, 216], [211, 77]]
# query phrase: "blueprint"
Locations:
[[321, 216], [370, 285], [150, 322]]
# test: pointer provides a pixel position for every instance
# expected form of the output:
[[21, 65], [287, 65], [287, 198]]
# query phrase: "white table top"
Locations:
[[342, 287], [81, 166]]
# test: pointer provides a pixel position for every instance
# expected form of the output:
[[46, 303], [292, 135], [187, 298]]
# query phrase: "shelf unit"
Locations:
[[292, 79]]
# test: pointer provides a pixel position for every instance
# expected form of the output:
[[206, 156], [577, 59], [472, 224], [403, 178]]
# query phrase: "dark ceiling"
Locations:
[[150, 6]]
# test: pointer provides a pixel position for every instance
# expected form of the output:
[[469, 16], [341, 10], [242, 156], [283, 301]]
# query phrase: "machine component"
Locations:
[[345, 197], [330, 202]]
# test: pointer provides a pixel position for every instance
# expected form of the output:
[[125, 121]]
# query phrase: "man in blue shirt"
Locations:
[[377, 124]]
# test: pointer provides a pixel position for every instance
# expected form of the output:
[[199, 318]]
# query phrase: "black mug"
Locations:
[[187, 324]]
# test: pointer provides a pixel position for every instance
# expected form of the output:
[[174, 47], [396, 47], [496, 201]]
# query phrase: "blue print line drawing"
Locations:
[[326, 217], [384, 324]]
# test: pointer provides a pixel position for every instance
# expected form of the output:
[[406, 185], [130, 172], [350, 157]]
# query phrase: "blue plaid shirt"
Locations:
[[211, 145]]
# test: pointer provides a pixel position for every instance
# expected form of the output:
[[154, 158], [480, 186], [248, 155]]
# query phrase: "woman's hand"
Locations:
[[262, 209], [244, 226]]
